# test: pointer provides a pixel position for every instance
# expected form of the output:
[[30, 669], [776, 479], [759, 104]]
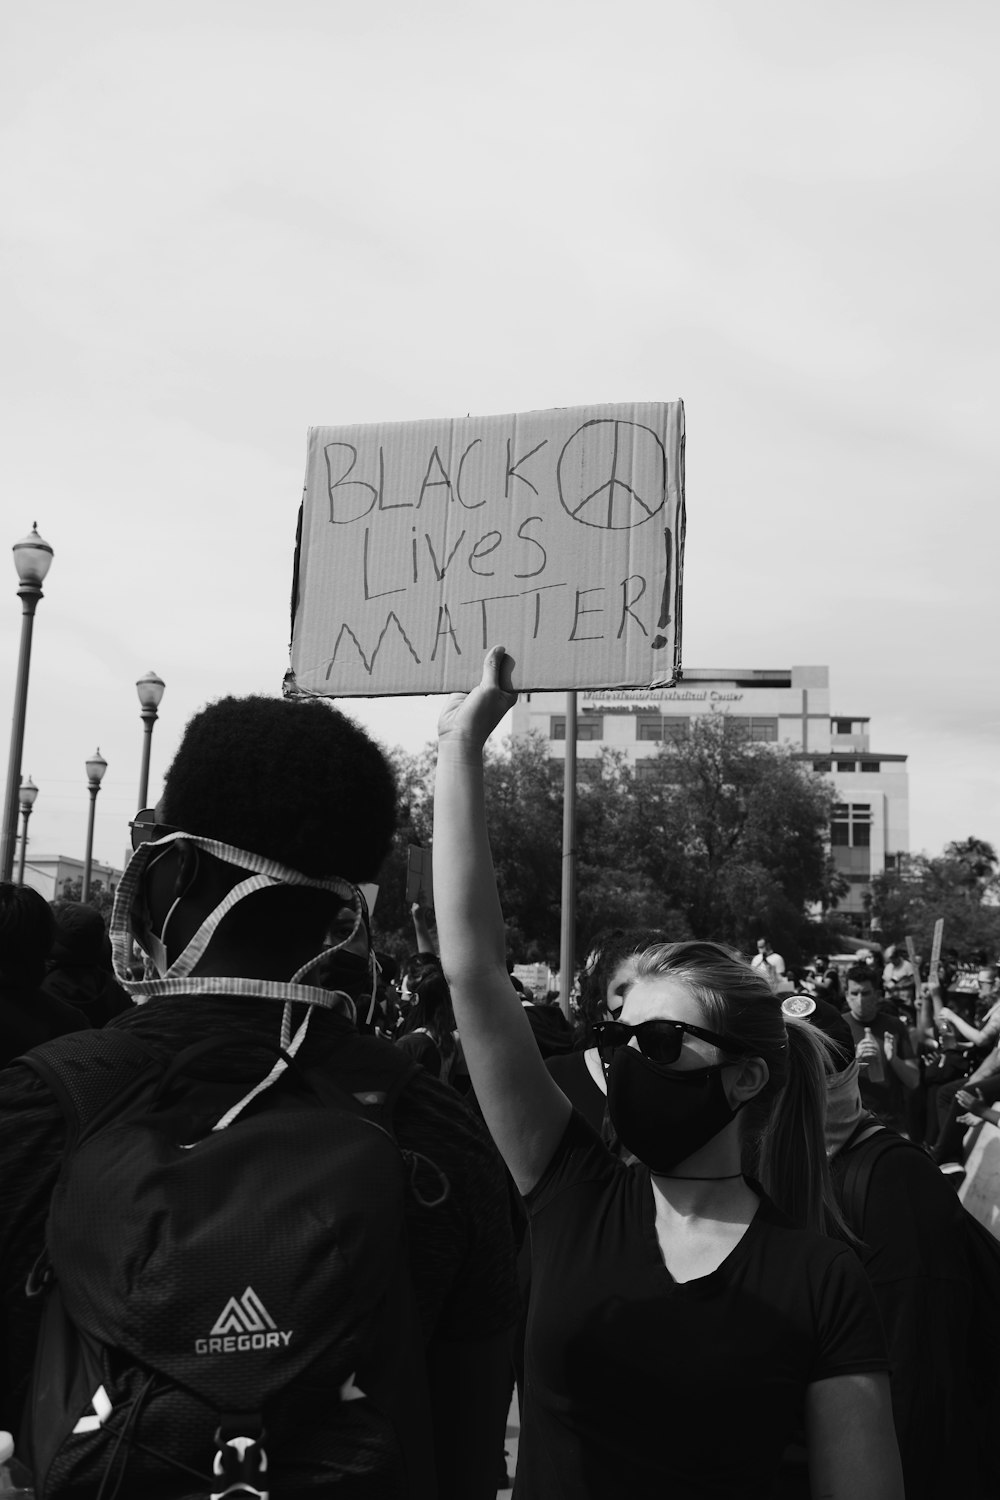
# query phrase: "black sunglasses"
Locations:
[[660, 1041], [144, 828]]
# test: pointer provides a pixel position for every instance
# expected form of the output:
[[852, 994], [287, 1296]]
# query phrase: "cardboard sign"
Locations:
[[419, 876], [559, 534], [936, 949]]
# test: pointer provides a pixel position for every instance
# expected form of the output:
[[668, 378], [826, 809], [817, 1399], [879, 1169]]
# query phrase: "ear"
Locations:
[[748, 1081]]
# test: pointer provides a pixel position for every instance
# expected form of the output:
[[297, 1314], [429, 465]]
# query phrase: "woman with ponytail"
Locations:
[[687, 1318]]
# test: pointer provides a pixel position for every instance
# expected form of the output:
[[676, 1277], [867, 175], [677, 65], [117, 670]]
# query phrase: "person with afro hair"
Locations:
[[292, 780], [280, 807]]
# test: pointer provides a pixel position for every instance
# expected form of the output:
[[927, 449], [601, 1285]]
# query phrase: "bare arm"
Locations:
[[524, 1109], [978, 1037], [852, 1442]]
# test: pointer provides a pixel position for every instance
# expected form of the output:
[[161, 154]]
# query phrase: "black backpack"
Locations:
[[228, 1313]]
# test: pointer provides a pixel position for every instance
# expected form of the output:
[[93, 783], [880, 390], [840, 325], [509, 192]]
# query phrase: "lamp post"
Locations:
[[26, 796], [96, 767], [32, 559], [150, 689]]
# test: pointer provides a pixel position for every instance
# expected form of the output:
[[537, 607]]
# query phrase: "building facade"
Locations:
[[870, 827], [49, 873]]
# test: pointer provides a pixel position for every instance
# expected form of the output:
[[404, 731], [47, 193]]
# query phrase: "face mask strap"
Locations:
[[294, 1043], [268, 873]]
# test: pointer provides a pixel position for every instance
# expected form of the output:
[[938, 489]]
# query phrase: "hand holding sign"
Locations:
[[468, 719]]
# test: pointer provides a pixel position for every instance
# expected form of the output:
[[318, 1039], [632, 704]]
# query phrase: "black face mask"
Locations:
[[664, 1117]]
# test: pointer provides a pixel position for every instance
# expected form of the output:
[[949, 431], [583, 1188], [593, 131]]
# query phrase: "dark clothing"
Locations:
[[571, 1073], [29, 1017], [913, 1251], [551, 1029], [423, 1049], [90, 988], [642, 1386], [887, 1099], [461, 1251]]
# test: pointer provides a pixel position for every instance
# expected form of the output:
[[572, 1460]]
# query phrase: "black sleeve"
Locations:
[[462, 1249], [580, 1156]]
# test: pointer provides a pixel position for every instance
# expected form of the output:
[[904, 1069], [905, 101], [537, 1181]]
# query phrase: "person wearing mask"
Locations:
[[248, 908], [681, 1320], [890, 1071]]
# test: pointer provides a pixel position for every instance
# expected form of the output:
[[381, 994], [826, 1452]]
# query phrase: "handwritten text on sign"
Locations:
[[558, 533]]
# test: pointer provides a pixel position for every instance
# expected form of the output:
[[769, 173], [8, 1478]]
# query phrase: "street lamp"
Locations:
[[96, 767], [26, 796], [150, 689], [32, 559]]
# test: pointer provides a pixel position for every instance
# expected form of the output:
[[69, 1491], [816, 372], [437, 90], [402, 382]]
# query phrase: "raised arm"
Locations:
[[421, 931], [524, 1109]]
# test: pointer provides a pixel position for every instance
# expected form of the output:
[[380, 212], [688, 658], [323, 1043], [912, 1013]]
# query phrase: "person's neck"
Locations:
[[705, 1182]]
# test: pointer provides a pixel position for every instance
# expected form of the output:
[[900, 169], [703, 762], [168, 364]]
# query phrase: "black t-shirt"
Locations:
[[888, 1098], [642, 1386], [913, 1250], [571, 1073]]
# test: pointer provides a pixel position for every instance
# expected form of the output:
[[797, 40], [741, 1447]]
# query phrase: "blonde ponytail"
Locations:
[[787, 1148]]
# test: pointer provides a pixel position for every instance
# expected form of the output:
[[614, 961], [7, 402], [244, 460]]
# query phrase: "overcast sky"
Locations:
[[225, 222]]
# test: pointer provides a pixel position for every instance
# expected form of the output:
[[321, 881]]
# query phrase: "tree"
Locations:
[[713, 837], [960, 886], [735, 835], [102, 899]]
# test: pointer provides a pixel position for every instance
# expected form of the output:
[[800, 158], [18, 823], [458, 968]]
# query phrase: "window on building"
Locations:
[[663, 728], [847, 765], [763, 731], [589, 727], [842, 726], [588, 771], [871, 765], [822, 765], [851, 827], [758, 731], [658, 768]]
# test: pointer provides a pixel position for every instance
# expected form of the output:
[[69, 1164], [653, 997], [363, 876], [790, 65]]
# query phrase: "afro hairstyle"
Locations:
[[293, 780]]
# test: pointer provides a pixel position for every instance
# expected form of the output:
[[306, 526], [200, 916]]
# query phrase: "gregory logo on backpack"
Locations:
[[244, 1323]]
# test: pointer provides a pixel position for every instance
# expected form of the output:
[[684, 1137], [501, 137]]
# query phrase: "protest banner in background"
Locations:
[[419, 876], [559, 534], [938, 939]]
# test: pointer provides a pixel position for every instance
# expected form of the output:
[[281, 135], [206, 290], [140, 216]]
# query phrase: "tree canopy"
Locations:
[[960, 886], [712, 836]]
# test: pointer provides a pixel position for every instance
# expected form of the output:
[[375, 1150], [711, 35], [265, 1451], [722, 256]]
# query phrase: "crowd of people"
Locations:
[[344, 1204]]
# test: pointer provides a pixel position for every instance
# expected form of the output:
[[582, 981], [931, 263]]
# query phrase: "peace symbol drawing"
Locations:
[[634, 460]]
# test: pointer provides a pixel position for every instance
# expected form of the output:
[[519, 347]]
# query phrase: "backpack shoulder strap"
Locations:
[[90, 1071], [861, 1160], [374, 1072]]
